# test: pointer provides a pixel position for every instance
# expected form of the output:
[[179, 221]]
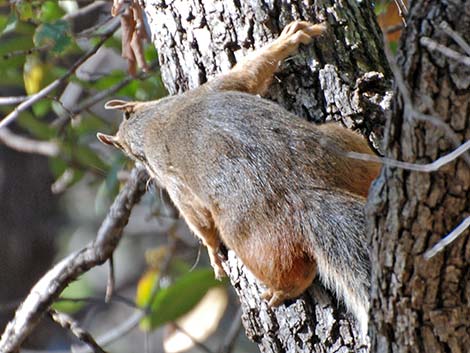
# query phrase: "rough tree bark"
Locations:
[[343, 76], [419, 305]]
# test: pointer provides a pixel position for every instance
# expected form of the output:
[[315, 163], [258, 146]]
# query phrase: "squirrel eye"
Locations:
[[127, 115]]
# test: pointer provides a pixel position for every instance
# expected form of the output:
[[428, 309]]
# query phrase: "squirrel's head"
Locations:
[[129, 137]]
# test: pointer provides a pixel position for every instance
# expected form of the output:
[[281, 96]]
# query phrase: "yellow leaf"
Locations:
[[33, 74], [145, 286]]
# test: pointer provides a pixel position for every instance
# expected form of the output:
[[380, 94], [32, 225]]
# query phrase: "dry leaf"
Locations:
[[128, 29], [133, 35]]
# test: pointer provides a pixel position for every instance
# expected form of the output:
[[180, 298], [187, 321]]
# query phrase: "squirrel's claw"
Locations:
[[274, 297], [216, 264]]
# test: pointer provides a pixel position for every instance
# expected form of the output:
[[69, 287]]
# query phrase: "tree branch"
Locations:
[[24, 144], [444, 50], [69, 323], [49, 287], [448, 239], [455, 36]]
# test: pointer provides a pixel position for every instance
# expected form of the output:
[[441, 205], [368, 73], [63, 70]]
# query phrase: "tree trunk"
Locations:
[[420, 305], [343, 76]]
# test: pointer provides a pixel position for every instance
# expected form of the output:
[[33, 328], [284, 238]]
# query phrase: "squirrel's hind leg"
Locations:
[[284, 278]]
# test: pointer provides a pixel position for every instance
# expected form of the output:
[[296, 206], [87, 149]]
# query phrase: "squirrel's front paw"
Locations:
[[298, 32]]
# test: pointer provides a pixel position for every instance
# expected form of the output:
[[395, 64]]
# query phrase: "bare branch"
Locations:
[[12, 100], [69, 323], [61, 184], [24, 144], [450, 53], [53, 85], [402, 10], [448, 239], [455, 36], [49, 287]]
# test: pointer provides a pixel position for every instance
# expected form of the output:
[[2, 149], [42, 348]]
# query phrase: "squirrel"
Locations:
[[245, 172]]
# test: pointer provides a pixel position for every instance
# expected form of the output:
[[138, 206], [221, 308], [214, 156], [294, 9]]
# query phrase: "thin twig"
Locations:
[[25, 52], [62, 182], [444, 50], [87, 103], [394, 28], [28, 145], [402, 10], [196, 342], [69, 323], [455, 36], [99, 300], [96, 98], [111, 281], [425, 168], [232, 334], [448, 239], [117, 333], [56, 83]]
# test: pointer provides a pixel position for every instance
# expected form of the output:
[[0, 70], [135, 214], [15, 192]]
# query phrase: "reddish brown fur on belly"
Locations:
[[290, 274]]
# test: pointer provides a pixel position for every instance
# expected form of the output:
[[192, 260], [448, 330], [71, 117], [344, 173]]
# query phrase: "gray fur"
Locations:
[[264, 176]]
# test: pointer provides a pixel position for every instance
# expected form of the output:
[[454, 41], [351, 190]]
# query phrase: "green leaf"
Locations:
[[393, 45], [109, 187], [57, 166], [36, 127], [42, 107], [172, 302], [381, 7], [88, 157], [10, 23], [50, 12], [76, 289], [57, 35], [24, 10]]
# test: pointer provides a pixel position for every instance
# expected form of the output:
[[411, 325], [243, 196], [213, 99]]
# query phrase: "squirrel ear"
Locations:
[[106, 139], [121, 105]]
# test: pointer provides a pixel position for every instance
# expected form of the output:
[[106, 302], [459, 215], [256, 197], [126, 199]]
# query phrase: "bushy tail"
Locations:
[[340, 246]]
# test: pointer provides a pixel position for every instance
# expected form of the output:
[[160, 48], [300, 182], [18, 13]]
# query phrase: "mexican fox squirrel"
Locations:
[[243, 171]]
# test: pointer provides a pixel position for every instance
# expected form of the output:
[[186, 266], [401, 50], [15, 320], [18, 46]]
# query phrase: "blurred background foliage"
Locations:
[[53, 205]]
